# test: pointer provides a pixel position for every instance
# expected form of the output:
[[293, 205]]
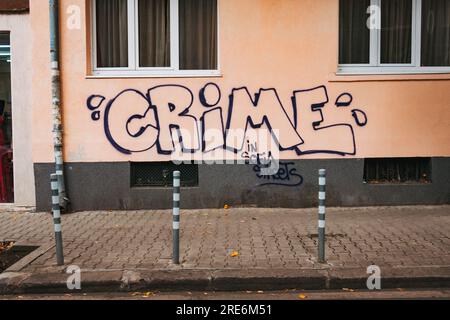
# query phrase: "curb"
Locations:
[[223, 280]]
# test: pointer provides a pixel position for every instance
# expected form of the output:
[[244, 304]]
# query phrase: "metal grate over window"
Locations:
[[160, 174], [397, 170]]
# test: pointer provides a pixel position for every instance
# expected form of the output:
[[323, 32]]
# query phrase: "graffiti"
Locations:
[[170, 116], [344, 100], [94, 102], [265, 108], [286, 176], [252, 156], [358, 115], [204, 94], [266, 161]]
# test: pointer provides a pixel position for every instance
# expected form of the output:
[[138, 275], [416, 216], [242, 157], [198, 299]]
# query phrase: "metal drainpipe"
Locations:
[[56, 101]]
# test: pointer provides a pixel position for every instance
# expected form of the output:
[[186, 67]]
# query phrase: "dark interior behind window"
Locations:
[[154, 33], [198, 34], [397, 170], [354, 35], [160, 174], [112, 33], [435, 33], [396, 31]]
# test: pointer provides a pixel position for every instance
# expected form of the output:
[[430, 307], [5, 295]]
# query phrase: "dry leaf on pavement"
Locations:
[[234, 254], [148, 294]]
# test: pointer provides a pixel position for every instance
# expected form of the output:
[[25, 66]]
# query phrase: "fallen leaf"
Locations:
[[302, 296], [347, 289], [234, 254], [5, 246], [148, 295]]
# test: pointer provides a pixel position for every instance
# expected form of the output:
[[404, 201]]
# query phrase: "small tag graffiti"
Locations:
[[286, 176]]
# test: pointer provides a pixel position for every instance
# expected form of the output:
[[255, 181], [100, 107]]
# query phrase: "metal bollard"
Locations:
[[176, 217], [57, 220], [322, 197]]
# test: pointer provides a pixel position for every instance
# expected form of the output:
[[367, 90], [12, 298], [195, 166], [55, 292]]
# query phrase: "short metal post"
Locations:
[[176, 217], [322, 197], [57, 220]]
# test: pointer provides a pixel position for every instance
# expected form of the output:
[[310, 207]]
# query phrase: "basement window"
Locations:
[[160, 174], [397, 170]]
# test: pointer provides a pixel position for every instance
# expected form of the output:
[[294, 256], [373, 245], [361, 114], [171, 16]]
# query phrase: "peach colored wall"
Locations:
[[284, 44]]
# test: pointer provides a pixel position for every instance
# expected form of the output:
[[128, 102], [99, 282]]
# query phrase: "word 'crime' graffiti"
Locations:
[[170, 115]]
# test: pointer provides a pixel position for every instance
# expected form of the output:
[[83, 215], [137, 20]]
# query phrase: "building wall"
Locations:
[[19, 26], [239, 185], [286, 46]]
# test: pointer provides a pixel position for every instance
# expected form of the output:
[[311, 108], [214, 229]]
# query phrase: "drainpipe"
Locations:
[[56, 102]]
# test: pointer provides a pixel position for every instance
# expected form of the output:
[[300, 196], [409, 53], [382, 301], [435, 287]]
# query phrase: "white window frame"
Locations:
[[133, 68], [376, 67]]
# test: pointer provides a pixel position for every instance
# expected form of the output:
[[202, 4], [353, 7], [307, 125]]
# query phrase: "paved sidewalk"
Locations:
[[281, 240]]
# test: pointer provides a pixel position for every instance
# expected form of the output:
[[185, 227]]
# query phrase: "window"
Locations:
[[159, 37], [397, 170], [160, 174], [394, 36]]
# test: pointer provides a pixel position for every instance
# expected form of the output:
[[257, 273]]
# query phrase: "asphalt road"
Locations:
[[346, 294]]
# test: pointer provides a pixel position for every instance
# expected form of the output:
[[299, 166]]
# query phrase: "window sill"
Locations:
[[398, 183], [131, 75], [355, 73], [367, 77], [160, 188]]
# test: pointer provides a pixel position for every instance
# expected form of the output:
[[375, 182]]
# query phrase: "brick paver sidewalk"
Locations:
[[264, 238]]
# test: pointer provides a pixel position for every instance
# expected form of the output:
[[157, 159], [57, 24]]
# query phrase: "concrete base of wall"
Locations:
[[106, 186]]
